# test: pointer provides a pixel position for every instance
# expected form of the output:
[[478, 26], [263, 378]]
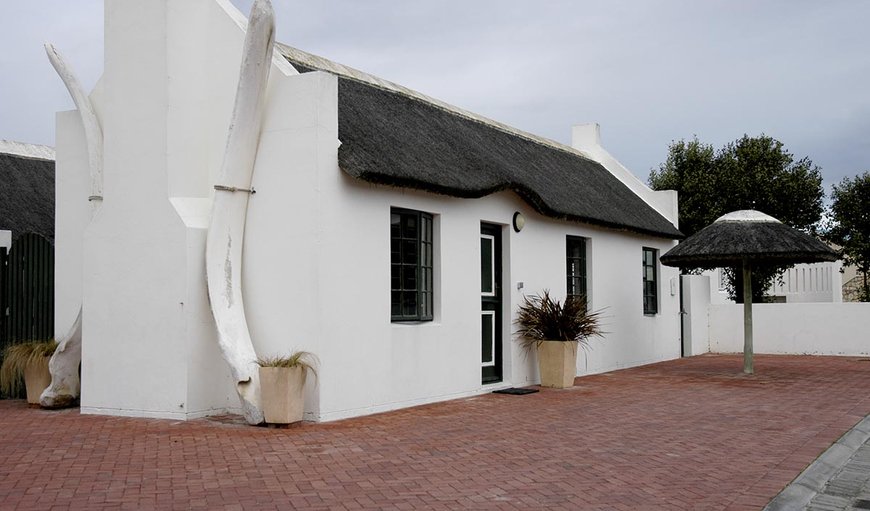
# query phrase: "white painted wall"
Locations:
[[5, 239], [794, 328], [418, 363]]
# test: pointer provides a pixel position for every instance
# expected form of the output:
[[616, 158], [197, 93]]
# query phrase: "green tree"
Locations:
[[749, 173], [850, 215], [691, 170]]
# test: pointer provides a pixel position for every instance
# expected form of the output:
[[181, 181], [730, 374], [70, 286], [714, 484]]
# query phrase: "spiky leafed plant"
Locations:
[[304, 359], [540, 319], [17, 357]]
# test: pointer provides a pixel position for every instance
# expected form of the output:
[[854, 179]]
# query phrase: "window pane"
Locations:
[[576, 248], [409, 304], [426, 304], [396, 303], [395, 230], [409, 278], [426, 232], [486, 269], [426, 259], [486, 338], [409, 230], [409, 252], [395, 277]]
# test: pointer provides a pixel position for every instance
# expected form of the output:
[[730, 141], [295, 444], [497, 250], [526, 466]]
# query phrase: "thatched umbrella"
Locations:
[[743, 239]]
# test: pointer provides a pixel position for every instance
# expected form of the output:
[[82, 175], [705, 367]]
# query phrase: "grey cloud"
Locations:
[[649, 72]]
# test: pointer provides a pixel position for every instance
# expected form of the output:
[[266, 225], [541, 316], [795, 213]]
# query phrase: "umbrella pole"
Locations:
[[747, 317]]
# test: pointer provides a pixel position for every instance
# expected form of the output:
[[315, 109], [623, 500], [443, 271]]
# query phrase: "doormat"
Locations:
[[515, 392]]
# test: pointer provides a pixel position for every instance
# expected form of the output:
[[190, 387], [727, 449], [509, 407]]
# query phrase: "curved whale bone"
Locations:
[[226, 230], [93, 131], [64, 364], [64, 389]]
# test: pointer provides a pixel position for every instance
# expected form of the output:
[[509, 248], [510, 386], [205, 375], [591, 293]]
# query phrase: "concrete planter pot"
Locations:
[[281, 394], [557, 362], [36, 379]]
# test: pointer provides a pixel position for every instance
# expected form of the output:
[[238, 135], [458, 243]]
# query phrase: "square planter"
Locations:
[[36, 380], [557, 362], [281, 394]]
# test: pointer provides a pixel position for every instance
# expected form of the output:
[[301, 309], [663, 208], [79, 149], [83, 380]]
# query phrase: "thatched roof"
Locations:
[[27, 189], [394, 136], [750, 235]]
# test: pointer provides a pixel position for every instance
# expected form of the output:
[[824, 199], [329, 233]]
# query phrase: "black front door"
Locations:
[[490, 303]]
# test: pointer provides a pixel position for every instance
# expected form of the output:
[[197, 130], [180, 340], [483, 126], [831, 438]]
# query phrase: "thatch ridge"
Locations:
[[23, 149]]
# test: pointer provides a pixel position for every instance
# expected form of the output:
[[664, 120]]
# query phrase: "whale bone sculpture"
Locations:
[[64, 364], [226, 230]]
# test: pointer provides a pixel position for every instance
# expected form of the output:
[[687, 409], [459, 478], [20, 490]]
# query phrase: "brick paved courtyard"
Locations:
[[687, 434]]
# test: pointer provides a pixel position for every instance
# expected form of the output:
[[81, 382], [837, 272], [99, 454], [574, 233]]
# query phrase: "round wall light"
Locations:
[[519, 221]]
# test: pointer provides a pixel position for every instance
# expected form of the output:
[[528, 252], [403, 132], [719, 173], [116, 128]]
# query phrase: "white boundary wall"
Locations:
[[794, 328], [778, 328]]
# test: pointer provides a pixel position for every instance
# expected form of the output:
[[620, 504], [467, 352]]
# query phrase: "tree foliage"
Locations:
[[850, 216], [750, 173]]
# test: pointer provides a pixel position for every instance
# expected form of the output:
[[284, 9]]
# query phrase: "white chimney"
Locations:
[[586, 137]]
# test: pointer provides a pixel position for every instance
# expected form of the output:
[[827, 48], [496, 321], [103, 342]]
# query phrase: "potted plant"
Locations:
[[555, 330], [30, 360], [282, 380]]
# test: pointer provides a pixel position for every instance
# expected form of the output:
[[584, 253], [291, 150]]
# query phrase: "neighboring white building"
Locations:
[[380, 236], [816, 282]]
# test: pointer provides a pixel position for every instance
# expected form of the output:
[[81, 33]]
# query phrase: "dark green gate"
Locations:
[[27, 290]]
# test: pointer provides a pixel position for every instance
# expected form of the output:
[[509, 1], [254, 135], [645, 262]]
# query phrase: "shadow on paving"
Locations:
[[690, 433]]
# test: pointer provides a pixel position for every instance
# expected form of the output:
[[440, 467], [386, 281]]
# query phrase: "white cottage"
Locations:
[[382, 236]]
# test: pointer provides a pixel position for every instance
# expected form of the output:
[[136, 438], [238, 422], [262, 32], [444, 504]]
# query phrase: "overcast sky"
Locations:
[[649, 71]]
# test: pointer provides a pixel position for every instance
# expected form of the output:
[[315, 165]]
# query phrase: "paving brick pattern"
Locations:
[[686, 434], [849, 488]]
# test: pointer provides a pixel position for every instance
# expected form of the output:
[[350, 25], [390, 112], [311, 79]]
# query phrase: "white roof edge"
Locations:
[[747, 215], [42, 152], [318, 62]]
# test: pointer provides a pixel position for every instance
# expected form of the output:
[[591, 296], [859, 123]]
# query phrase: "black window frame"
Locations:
[[650, 286], [421, 264], [573, 281]]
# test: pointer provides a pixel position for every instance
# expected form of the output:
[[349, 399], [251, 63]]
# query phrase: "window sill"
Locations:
[[406, 324]]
